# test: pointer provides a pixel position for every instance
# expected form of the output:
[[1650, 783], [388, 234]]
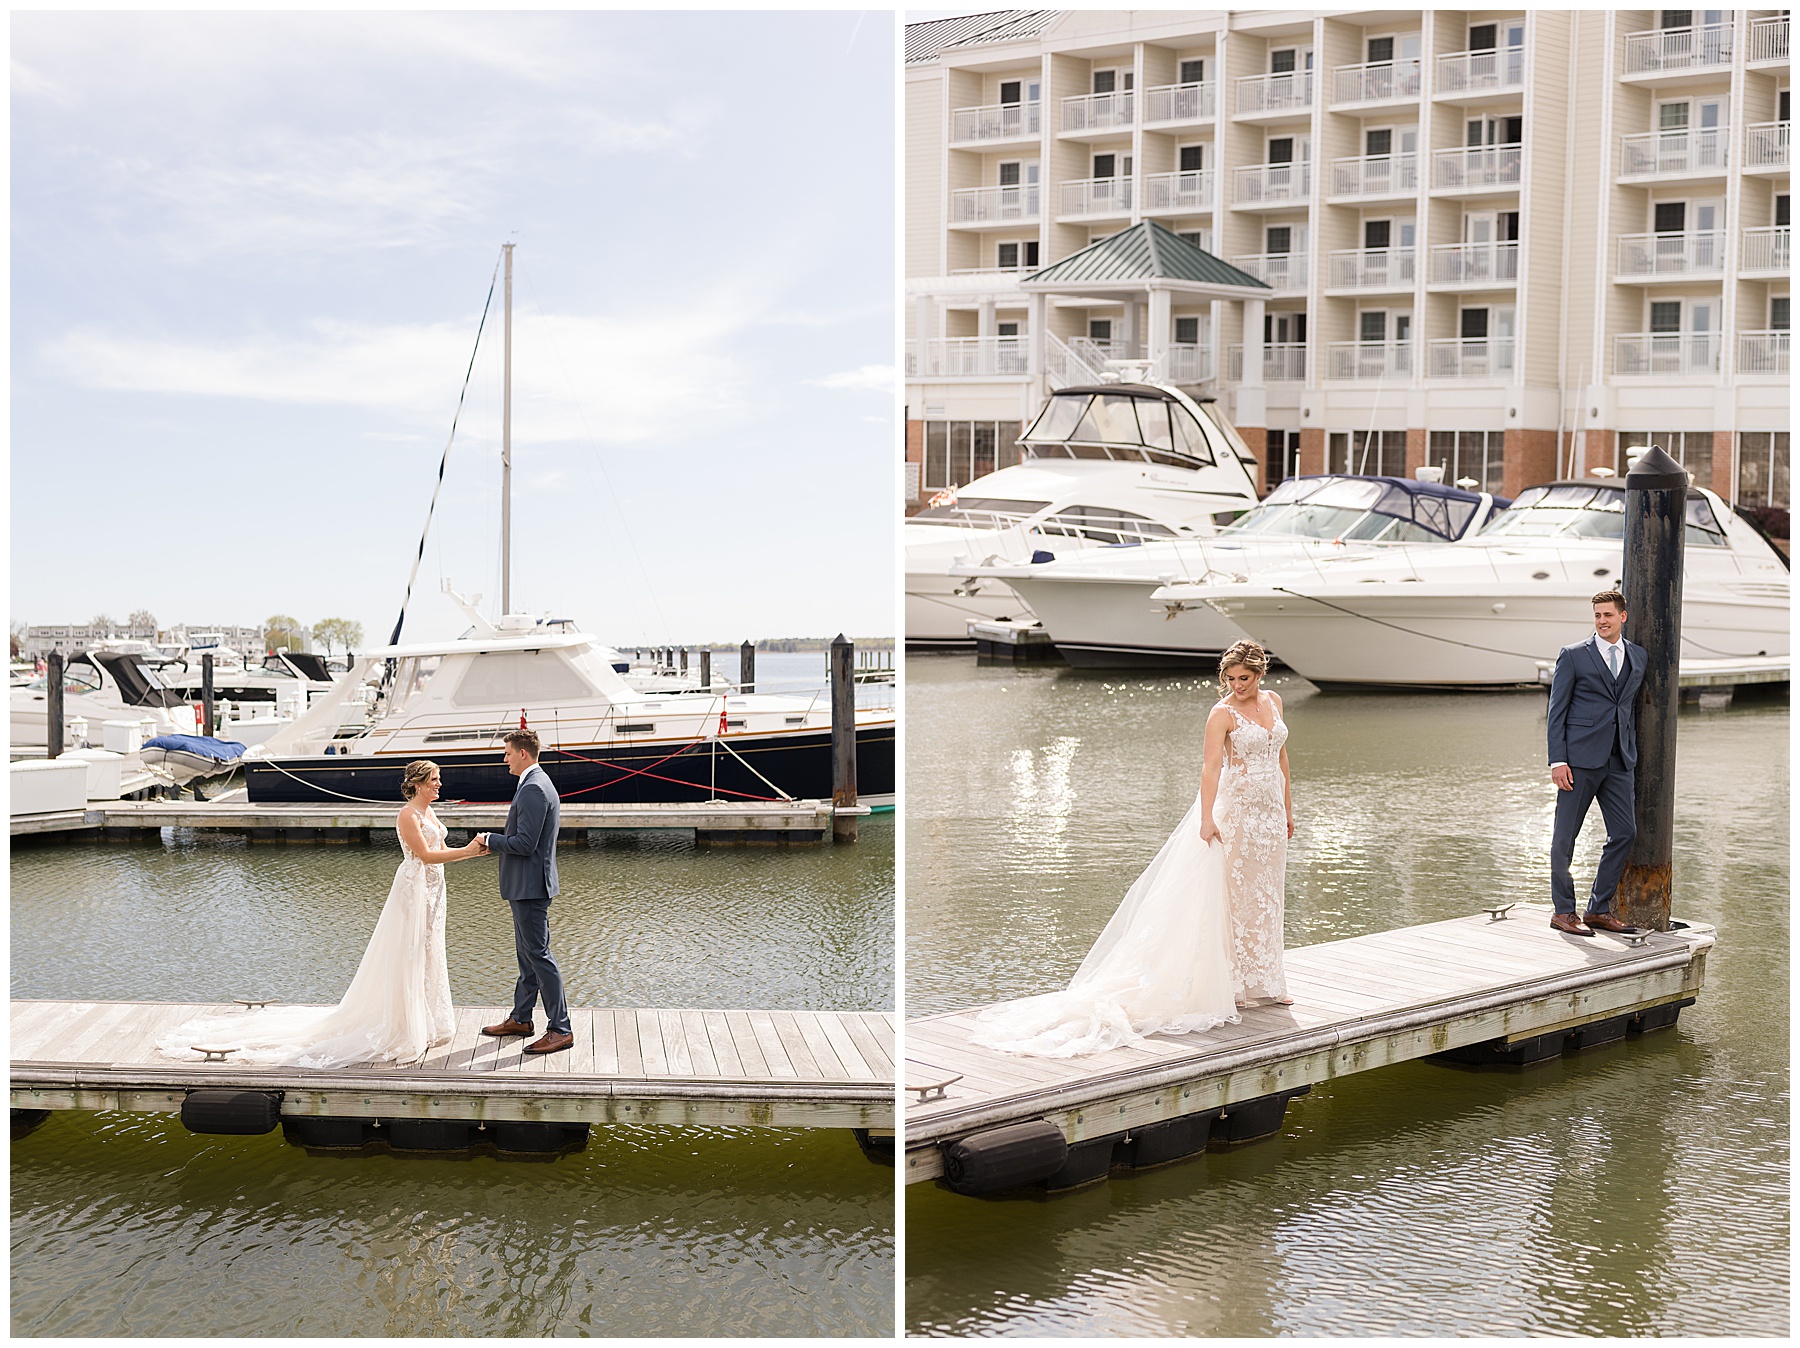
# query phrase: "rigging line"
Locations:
[[593, 444], [438, 486]]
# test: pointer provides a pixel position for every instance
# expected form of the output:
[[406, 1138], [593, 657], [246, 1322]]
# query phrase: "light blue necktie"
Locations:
[[1612, 659]]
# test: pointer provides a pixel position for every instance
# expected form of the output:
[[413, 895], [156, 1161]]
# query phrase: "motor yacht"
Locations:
[[604, 742], [1490, 612], [100, 685], [1100, 465], [1095, 604]]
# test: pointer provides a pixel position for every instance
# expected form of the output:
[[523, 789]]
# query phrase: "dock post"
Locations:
[[684, 660], [843, 739], [747, 668], [53, 704], [1655, 530], [705, 667], [206, 695]]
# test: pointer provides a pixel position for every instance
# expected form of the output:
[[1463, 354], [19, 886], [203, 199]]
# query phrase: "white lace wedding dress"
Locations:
[[396, 1009], [1198, 933]]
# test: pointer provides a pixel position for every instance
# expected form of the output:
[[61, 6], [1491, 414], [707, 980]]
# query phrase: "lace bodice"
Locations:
[[1254, 749], [434, 832]]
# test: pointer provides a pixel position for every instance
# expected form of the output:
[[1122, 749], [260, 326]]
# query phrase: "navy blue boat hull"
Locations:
[[632, 774]]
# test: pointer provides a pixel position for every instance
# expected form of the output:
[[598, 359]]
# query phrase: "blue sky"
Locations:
[[250, 251]]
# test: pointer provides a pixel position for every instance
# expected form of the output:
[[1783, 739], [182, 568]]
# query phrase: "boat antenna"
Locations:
[[506, 451], [399, 622]]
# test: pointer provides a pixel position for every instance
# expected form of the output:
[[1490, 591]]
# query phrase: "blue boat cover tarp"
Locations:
[[206, 747]]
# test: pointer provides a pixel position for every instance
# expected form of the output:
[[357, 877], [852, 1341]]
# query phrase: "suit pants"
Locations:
[[538, 975], [1614, 786]]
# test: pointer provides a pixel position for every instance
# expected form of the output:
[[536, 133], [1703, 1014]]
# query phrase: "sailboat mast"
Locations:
[[506, 452]]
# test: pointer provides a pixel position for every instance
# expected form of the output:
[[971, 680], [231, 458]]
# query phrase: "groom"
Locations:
[[1593, 753], [527, 852]]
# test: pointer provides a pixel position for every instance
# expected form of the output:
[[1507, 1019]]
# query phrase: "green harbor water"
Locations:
[[125, 1224], [1636, 1190]]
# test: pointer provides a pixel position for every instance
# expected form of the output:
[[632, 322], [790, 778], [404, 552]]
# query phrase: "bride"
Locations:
[[1199, 934], [398, 1006]]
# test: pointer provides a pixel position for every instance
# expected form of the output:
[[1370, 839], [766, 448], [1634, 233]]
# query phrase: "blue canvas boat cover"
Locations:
[[205, 746]]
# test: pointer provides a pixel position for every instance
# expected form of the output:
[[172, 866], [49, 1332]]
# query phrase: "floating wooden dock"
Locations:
[[768, 1069], [1711, 683], [1480, 989], [1012, 640], [788, 821]]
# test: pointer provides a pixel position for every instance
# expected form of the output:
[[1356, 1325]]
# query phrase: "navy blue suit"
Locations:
[[527, 853], [1593, 728]]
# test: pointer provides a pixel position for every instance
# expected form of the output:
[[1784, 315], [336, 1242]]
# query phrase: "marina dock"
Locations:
[[766, 1069], [789, 821], [1472, 989]]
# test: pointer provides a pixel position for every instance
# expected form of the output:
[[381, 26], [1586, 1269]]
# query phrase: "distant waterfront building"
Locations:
[[69, 638], [1518, 244]]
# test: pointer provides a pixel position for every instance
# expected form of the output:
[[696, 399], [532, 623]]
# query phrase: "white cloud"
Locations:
[[574, 378], [874, 378]]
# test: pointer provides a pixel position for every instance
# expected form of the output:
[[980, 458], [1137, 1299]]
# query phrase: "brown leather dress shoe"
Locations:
[[1605, 922], [506, 1027], [552, 1042], [1570, 925]]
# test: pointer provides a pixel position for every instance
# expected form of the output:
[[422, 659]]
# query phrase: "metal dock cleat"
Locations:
[[934, 1089], [255, 1003], [1499, 914], [213, 1054]]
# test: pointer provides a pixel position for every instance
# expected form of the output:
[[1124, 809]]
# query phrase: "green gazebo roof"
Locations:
[[1140, 256]]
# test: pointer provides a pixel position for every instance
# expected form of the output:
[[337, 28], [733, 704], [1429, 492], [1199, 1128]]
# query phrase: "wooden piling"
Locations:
[[53, 705], [209, 723], [843, 739], [684, 654], [1655, 534], [705, 667], [747, 668]]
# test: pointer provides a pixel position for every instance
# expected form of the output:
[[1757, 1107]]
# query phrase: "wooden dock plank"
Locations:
[[748, 1045], [675, 1045], [725, 1053], [579, 1060], [34, 1025], [606, 1042], [798, 1050], [873, 1051], [650, 1043], [699, 1044], [774, 1048], [849, 1057]]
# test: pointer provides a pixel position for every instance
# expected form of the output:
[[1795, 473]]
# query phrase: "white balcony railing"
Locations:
[[1768, 40], [1471, 358], [1272, 182], [987, 205], [1188, 363], [1289, 91], [1096, 196], [1378, 175], [1368, 360], [1766, 145], [1666, 353], [997, 121], [1469, 72], [1763, 352], [1474, 264], [1677, 49], [1283, 362], [1653, 153], [1063, 366], [1375, 82], [1278, 271], [1097, 112], [1181, 102], [1478, 166], [1191, 191], [1701, 254], [959, 357], [1373, 268], [1765, 249]]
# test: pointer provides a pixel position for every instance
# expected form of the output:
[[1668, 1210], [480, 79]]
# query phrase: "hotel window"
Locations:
[[1200, 238], [1778, 313], [1477, 456], [1191, 158], [1762, 480], [1281, 456], [1009, 256], [1110, 81], [1374, 452], [1193, 72], [958, 452], [1693, 450], [1187, 331]]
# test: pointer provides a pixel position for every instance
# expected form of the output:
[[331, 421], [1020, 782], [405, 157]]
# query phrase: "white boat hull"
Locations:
[[1469, 635], [937, 616], [1114, 623]]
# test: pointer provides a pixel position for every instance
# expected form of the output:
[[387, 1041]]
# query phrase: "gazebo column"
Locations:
[[1132, 326], [1162, 323], [1215, 335], [1252, 412]]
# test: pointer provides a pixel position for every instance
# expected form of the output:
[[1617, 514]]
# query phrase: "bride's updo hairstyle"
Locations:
[[417, 772], [1246, 653]]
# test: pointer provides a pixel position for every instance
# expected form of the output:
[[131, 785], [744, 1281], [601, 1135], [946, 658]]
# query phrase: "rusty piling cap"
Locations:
[[1654, 470]]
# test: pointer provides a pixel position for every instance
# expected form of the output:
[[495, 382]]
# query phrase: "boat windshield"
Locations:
[[1102, 524], [1578, 510], [78, 677], [1084, 424], [984, 512], [1367, 510]]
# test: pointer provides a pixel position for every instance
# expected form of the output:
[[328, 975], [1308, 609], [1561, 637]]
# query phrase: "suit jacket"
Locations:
[[1587, 707], [527, 850]]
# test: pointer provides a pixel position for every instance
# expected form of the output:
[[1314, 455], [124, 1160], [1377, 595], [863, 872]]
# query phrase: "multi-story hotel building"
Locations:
[[1516, 243]]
